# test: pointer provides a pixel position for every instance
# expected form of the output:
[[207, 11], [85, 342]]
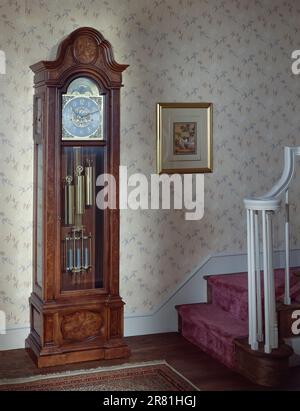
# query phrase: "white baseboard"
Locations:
[[14, 338], [164, 318]]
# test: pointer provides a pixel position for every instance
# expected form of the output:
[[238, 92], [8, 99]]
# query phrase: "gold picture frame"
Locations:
[[184, 138]]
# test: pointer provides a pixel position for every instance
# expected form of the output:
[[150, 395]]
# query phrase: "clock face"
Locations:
[[82, 113], [81, 117]]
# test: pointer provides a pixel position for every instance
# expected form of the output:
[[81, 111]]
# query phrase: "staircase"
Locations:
[[248, 315], [219, 326]]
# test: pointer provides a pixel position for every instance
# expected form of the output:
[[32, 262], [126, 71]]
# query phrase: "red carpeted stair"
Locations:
[[213, 326]]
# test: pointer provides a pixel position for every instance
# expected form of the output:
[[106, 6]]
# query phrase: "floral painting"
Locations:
[[185, 138]]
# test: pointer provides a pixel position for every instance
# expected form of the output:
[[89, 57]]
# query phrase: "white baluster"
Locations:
[[287, 297], [252, 288], [272, 296], [249, 276], [266, 284], [260, 336]]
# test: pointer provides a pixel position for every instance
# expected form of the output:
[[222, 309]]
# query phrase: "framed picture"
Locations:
[[184, 138]]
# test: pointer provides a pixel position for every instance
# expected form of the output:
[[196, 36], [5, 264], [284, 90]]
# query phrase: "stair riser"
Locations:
[[217, 347], [235, 304]]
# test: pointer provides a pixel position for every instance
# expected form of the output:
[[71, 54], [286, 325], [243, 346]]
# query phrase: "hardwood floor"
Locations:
[[202, 370]]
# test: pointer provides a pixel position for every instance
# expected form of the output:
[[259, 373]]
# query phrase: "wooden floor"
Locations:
[[195, 365]]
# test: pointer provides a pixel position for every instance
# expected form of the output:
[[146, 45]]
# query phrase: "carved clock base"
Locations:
[[43, 358], [76, 331]]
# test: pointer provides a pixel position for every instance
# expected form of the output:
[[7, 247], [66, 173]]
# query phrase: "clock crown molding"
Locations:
[[86, 48]]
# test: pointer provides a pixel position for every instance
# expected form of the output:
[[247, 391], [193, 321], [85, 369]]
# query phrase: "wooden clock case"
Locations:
[[85, 324]]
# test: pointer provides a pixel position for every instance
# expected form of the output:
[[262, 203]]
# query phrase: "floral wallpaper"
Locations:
[[233, 53]]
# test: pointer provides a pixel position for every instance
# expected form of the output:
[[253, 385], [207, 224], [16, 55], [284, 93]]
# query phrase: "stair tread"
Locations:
[[239, 281], [218, 320]]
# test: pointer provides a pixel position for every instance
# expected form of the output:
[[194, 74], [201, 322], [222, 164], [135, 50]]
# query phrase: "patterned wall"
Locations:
[[234, 53]]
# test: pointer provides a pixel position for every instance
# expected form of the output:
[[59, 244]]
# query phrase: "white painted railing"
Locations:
[[263, 325]]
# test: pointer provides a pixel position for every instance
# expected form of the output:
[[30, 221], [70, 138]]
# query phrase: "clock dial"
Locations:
[[82, 117]]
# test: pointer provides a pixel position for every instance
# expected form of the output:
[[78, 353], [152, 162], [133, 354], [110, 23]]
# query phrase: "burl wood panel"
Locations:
[[85, 49], [81, 325]]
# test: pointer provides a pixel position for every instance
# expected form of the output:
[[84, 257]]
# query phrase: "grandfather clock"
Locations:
[[75, 307]]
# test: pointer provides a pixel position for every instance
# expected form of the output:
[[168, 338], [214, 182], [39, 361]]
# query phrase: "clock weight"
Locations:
[[89, 184], [69, 201]]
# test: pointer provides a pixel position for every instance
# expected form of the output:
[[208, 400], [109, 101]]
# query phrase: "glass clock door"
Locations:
[[82, 223]]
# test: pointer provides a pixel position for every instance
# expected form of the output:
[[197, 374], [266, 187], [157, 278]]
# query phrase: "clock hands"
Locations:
[[89, 113], [81, 117], [83, 113]]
